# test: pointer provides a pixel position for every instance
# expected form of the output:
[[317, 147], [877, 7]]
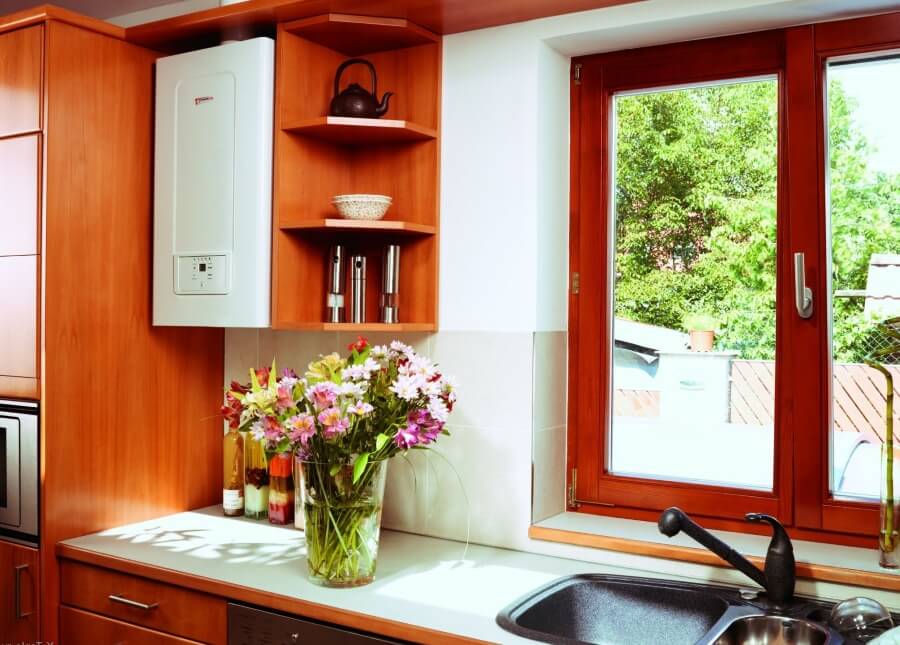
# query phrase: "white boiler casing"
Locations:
[[213, 186]]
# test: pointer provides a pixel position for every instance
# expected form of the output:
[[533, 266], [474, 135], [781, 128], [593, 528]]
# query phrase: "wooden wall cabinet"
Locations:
[[318, 156], [20, 80], [19, 606], [118, 398], [20, 121]]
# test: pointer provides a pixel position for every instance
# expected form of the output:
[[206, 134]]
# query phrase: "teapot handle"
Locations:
[[348, 63]]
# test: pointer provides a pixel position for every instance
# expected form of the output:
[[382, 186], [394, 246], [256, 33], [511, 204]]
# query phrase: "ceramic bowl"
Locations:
[[365, 207]]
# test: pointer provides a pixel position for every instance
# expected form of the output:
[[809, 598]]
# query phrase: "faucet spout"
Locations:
[[673, 520], [781, 568]]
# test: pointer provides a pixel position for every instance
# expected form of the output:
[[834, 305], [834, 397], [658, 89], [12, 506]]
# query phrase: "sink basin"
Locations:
[[615, 610], [772, 630]]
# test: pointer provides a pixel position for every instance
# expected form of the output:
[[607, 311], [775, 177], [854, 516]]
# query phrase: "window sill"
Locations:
[[815, 561]]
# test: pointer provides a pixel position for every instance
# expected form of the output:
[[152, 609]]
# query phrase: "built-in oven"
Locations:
[[19, 472]]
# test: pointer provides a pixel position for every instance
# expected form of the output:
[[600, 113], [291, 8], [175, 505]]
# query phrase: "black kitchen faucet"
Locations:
[[779, 575]]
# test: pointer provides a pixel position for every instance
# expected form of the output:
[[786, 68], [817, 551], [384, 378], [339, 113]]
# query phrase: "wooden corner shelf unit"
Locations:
[[319, 156]]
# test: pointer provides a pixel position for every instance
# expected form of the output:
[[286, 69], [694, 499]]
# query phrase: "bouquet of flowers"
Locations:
[[344, 419]]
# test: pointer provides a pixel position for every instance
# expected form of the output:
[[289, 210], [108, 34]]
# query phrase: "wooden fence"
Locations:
[[858, 393]]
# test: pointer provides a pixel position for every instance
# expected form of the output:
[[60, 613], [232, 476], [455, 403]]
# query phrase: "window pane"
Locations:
[[695, 217], [864, 213]]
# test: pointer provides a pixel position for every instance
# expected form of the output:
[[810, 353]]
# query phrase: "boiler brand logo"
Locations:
[[202, 99]]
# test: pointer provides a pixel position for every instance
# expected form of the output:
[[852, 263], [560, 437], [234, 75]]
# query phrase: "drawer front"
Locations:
[[159, 606], [83, 628], [20, 80], [19, 189], [18, 316]]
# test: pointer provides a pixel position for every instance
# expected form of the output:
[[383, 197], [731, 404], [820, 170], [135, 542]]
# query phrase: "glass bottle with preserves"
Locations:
[[256, 480], [281, 489], [233, 473]]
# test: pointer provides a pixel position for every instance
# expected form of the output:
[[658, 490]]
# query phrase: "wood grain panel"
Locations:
[[824, 573], [19, 173], [19, 315], [20, 80], [129, 423], [359, 35], [21, 628], [83, 628], [39, 14], [439, 16], [304, 608], [176, 610]]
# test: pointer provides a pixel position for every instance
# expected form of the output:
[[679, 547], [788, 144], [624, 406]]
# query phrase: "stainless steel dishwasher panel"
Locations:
[[251, 626]]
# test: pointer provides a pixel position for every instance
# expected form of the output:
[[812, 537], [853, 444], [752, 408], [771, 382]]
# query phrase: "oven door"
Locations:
[[18, 469]]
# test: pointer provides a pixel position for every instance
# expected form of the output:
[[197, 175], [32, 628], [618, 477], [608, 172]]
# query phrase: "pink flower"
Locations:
[[301, 428], [323, 395], [360, 409], [285, 398], [407, 437], [334, 423], [272, 428]]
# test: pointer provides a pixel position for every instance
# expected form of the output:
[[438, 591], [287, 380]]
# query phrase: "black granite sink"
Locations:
[[620, 610]]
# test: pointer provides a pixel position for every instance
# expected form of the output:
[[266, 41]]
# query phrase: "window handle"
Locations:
[[803, 295]]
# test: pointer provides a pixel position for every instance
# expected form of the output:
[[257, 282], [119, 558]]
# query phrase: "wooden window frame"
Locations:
[[800, 495]]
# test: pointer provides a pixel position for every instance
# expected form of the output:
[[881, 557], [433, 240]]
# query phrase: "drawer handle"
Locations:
[[133, 603], [19, 614]]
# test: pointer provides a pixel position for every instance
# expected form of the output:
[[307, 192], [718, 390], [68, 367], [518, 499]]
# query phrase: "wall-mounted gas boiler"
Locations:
[[213, 186]]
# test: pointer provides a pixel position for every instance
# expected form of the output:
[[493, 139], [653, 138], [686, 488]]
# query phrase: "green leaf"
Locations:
[[380, 440], [335, 468], [359, 466]]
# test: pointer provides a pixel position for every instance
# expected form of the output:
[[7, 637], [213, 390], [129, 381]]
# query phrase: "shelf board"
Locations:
[[357, 131], [358, 35], [358, 327], [353, 225]]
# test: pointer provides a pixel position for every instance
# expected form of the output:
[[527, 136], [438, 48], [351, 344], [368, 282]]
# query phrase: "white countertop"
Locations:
[[421, 581]]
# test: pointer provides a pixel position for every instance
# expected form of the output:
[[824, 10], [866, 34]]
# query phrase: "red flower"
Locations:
[[240, 389], [359, 344], [232, 411], [262, 375]]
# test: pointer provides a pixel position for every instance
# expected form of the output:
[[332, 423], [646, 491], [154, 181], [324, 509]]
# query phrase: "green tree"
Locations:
[[696, 176]]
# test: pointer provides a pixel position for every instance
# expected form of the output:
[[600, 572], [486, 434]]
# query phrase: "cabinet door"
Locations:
[[18, 593], [18, 316], [20, 80], [19, 189]]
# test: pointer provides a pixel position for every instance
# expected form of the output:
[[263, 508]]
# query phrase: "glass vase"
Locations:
[[343, 521], [299, 522], [889, 533], [256, 480], [281, 489]]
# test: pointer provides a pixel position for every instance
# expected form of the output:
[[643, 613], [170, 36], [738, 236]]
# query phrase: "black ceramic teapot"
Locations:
[[354, 100]]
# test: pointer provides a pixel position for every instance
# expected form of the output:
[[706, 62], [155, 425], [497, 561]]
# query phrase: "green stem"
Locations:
[[888, 534]]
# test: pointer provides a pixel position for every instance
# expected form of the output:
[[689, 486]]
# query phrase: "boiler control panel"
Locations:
[[201, 274]]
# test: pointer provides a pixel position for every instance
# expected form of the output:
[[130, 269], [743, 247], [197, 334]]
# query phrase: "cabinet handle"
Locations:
[[133, 603], [19, 569]]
